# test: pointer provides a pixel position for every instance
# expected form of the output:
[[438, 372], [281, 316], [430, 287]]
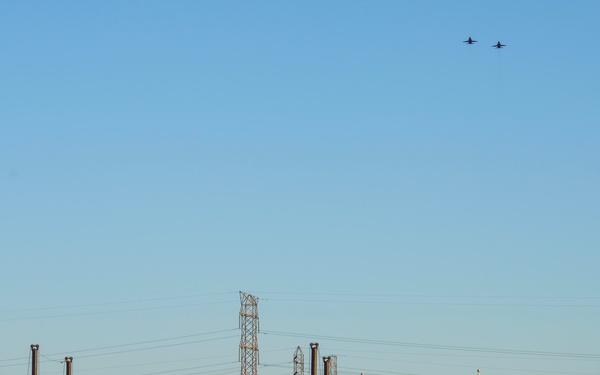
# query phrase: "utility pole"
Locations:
[[314, 347], [249, 340], [326, 365], [34, 359], [69, 364], [298, 362]]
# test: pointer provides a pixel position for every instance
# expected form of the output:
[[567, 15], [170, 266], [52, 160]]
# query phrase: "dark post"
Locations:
[[326, 365], [313, 358], [34, 359], [69, 363]]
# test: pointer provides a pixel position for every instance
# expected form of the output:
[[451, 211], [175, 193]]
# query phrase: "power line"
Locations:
[[28, 362], [377, 371], [133, 350], [454, 355], [145, 363], [436, 346], [127, 351], [464, 366], [189, 368], [429, 303], [217, 372], [148, 341], [213, 372], [13, 359], [139, 343], [48, 358], [124, 345], [116, 302], [18, 364], [282, 364], [114, 311], [157, 347], [156, 363], [426, 295]]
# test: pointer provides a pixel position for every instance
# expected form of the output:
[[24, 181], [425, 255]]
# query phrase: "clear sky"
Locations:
[[352, 163]]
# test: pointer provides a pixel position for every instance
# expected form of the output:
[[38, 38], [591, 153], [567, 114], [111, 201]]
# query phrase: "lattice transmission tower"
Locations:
[[332, 365], [298, 362], [249, 341]]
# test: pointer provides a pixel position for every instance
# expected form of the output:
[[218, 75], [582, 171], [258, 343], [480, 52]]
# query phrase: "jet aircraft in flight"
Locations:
[[469, 41], [498, 45]]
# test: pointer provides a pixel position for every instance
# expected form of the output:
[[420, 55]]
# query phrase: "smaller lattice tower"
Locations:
[[332, 363], [249, 340], [298, 362]]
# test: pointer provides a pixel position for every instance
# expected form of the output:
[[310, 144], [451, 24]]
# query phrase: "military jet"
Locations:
[[469, 41], [498, 45]]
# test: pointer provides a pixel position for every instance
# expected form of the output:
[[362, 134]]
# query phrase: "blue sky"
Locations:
[[157, 157]]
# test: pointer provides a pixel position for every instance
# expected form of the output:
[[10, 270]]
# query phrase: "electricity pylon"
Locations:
[[249, 340], [332, 365], [298, 362]]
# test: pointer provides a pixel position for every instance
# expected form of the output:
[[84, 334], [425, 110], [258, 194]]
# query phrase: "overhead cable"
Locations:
[[436, 346]]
